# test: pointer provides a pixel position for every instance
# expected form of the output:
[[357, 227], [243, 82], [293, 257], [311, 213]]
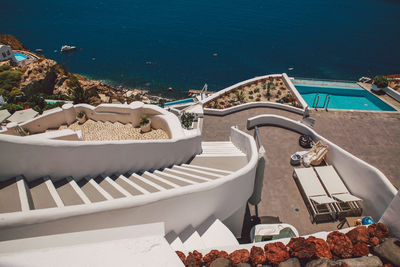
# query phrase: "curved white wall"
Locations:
[[361, 178], [35, 158], [221, 197], [226, 111]]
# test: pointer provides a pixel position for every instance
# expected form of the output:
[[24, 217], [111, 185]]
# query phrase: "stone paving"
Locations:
[[370, 136]]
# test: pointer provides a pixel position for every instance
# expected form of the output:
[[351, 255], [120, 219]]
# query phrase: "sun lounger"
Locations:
[[319, 203], [316, 155], [347, 205]]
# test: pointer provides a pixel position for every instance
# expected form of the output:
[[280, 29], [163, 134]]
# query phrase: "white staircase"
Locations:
[[218, 160], [210, 234]]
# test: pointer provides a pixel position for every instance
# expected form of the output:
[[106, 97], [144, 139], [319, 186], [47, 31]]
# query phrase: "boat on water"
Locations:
[[68, 48]]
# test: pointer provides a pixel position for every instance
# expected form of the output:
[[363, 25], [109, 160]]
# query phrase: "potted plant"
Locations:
[[187, 120], [145, 124], [81, 117], [379, 83]]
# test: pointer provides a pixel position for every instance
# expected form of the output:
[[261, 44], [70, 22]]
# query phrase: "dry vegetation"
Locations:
[[273, 90]]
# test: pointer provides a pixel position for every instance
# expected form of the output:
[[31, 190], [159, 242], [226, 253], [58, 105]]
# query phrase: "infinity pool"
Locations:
[[342, 96], [20, 57], [178, 102]]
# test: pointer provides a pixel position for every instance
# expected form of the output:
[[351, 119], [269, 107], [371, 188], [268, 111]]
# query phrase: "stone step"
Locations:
[[144, 183], [44, 194], [174, 179], [111, 187], [174, 241], [158, 180], [191, 239], [214, 233], [129, 186], [228, 163], [9, 196], [212, 170], [67, 192], [208, 175], [192, 177], [90, 190]]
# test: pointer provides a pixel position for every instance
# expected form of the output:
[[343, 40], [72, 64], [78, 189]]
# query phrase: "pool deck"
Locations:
[[384, 97], [371, 136]]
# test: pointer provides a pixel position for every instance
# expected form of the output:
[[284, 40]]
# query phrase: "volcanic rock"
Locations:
[[276, 253], [239, 256], [359, 234], [214, 254], [300, 248], [292, 262], [340, 245], [321, 247], [257, 256], [365, 261], [379, 231], [324, 262], [221, 262], [360, 249], [181, 255], [389, 251], [194, 259]]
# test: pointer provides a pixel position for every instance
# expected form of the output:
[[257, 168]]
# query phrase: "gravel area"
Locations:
[[100, 131]]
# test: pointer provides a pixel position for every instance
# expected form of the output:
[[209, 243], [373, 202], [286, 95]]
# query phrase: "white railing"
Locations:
[[362, 179]]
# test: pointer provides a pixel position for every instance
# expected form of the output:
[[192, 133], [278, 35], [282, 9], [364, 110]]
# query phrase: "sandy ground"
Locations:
[[100, 131]]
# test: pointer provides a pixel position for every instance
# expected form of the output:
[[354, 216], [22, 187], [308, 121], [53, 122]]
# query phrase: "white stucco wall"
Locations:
[[361, 178], [392, 93], [35, 157], [170, 206], [226, 111]]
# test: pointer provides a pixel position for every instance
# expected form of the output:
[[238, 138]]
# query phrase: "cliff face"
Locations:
[[10, 40], [39, 77]]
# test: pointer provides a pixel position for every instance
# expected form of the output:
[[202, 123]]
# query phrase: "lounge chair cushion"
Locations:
[[323, 200], [346, 197]]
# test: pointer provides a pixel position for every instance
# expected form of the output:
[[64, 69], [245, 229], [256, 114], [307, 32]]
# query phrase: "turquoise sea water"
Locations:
[[339, 39], [341, 97]]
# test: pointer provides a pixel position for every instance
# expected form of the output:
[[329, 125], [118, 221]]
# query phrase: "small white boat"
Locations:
[[67, 48]]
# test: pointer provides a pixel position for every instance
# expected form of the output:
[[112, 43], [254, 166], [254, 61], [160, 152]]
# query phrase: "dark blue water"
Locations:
[[341, 39]]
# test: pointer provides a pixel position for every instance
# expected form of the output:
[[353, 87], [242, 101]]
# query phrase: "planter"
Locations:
[[377, 89], [146, 127], [81, 119]]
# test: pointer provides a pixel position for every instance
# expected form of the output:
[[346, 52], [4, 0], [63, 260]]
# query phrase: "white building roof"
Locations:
[[23, 115], [4, 114]]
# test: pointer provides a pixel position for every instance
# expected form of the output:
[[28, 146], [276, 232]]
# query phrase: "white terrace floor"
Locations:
[[373, 137]]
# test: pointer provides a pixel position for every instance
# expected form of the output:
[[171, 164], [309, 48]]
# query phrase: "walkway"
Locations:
[[371, 136]]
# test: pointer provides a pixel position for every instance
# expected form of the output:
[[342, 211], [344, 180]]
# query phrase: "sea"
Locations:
[[184, 44]]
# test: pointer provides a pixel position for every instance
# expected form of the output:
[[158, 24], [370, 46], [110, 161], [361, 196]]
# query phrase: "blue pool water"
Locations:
[[350, 96], [20, 57], [182, 101]]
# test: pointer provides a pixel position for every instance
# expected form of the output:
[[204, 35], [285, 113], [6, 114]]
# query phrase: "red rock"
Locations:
[[387, 265], [379, 231], [359, 234], [360, 249], [321, 247], [257, 256], [239, 256], [214, 254], [300, 248], [340, 245], [276, 253], [374, 241], [194, 259], [181, 255]]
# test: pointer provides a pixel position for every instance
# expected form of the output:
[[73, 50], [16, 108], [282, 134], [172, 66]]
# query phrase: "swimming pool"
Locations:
[[178, 102], [342, 96], [20, 57]]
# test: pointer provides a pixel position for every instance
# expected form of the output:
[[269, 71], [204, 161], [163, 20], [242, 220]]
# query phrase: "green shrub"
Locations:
[[10, 79], [80, 114], [4, 68], [161, 102], [251, 92], [144, 121], [381, 81], [187, 120], [251, 97], [256, 90]]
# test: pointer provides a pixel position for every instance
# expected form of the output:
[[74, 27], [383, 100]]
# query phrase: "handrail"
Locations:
[[257, 136], [329, 99], [316, 97], [326, 97]]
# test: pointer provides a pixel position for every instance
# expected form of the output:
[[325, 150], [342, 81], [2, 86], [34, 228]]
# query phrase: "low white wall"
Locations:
[[361, 178], [226, 111], [292, 88], [35, 157], [392, 93], [232, 87], [221, 198]]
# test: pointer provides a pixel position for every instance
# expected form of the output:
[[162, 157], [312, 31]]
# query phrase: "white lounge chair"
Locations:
[[347, 205], [320, 204]]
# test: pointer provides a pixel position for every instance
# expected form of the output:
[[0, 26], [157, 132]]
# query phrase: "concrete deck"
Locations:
[[370, 136]]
